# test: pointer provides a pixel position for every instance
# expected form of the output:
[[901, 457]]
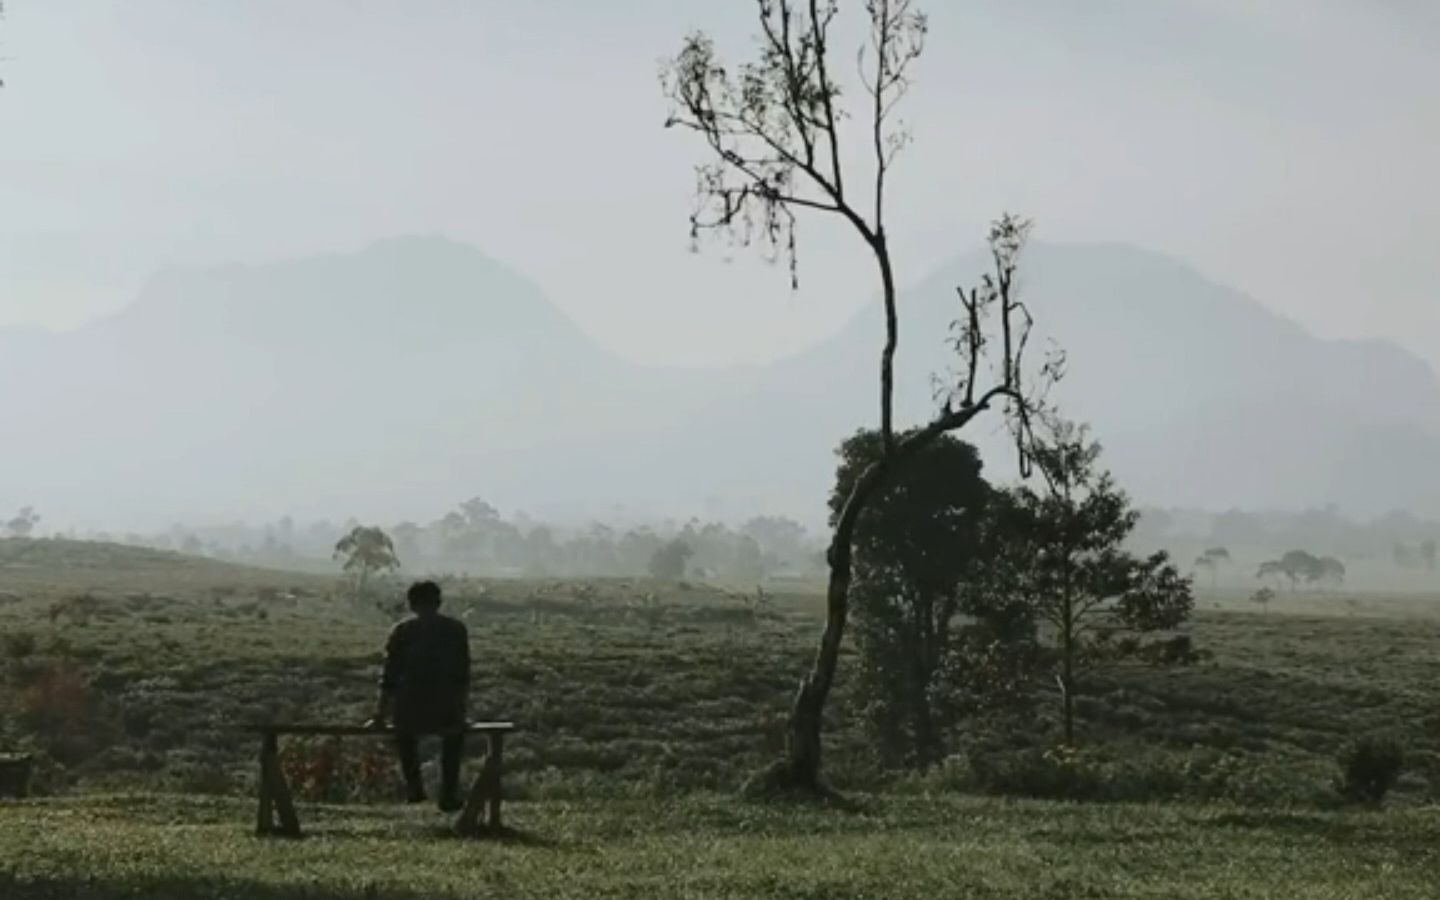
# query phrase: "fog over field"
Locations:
[[334, 259], [766, 448]]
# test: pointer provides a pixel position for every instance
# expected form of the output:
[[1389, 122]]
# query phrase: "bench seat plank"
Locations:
[[361, 730]]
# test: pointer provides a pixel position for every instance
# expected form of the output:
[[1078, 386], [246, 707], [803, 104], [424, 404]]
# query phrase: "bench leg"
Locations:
[[265, 814], [275, 801], [485, 793]]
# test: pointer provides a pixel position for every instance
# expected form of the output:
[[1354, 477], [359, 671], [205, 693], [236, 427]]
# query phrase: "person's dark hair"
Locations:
[[424, 595]]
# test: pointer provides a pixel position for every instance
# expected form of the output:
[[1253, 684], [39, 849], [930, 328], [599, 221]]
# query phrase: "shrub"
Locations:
[[1369, 767], [1057, 773], [19, 644], [66, 716], [1135, 774]]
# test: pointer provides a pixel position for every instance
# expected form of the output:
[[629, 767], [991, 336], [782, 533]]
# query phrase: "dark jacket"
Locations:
[[427, 669]]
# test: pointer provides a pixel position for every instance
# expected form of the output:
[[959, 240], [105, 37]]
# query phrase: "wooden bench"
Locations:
[[276, 813]]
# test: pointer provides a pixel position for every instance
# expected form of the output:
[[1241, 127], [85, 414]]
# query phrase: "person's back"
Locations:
[[425, 684], [427, 668]]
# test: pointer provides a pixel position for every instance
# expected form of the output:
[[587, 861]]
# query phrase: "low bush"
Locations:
[[1131, 774], [1369, 767]]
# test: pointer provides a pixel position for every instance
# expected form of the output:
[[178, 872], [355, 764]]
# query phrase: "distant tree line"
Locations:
[[475, 538], [1403, 538]]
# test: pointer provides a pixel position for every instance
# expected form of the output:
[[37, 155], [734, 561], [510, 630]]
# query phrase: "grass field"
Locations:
[[707, 846], [643, 707]]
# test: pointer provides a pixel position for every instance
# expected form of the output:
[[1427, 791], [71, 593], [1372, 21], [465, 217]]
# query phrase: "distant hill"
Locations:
[[1201, 396], [47, 566], [392, 382]]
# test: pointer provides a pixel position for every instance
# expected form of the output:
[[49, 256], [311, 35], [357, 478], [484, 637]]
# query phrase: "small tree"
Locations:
[[1211, 561], [1263, 597], [1330, 571], [669, 560], [774, 132], [1428, 554], [1295, 566], [1072, 568], [23, 523], [366, 551]]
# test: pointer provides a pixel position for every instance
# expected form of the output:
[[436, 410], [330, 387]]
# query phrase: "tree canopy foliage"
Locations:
[[366, 551], [1066, 543], [917, 556]]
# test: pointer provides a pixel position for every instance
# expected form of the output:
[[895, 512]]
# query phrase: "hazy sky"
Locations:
[[1286, 147]]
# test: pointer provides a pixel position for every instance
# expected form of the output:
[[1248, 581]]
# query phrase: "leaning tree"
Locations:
[[776, 132]]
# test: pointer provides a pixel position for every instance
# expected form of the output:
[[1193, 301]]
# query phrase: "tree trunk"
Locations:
[[1067, 691], [1067, 678], [926, 744], [802, 748], [803, 740], [892, 337], [924, 664]]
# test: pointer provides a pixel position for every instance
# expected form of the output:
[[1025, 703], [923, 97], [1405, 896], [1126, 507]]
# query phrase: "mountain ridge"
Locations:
[[419, 370]]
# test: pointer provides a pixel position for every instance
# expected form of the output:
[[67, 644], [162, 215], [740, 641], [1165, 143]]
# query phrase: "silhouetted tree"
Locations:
[[366, 551], [1072, 568], [774, 129], [23, 523], [1210, 561], [782, 541], [1298, 566], [1427, 553], [1331, 570], [747, 561], [407, 540], [669, 561], [1270, 568]]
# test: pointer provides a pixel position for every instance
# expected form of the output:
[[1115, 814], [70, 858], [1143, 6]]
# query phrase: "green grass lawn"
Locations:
[[628, 686], [715, 846], [642, 708]]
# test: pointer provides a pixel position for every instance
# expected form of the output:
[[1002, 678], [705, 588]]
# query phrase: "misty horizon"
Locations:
[[1207, 166], [198, 306]]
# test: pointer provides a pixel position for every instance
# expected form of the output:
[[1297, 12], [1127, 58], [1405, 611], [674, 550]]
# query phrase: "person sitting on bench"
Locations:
[[425, 686]]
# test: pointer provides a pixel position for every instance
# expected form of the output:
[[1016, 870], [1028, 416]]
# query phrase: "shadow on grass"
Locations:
[[509, 837], [775, 785], [1347, 832], [505, 836], [189, 888], [1272, 820]]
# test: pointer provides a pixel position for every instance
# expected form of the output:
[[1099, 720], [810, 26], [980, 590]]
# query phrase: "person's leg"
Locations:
[[407, 746], [452, 748]]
